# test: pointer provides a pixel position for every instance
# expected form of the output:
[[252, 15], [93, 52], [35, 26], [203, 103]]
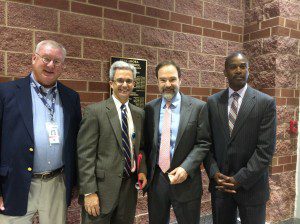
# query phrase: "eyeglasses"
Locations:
[[235, 66], [47, 60], [121, 81]]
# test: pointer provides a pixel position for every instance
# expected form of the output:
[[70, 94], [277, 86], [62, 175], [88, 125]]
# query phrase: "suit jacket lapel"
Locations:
[[156, 113], [24, 99], [246, 107], [136, 118], [113, 117], [185, 112], [66, 105], [223, 112]]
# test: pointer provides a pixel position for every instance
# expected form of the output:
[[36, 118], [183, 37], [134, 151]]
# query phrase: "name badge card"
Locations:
[[52, 129]]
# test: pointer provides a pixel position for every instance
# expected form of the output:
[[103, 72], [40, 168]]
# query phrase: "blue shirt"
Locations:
[[175, 118], [46, 157]]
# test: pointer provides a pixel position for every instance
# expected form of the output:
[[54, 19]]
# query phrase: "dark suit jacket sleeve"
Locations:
[[143, 165], [1, 117], [264, 151], [87, 141], [202, 144]]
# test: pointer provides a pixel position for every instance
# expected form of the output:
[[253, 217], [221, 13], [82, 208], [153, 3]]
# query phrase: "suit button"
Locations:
[[29, 169], [31, 149]]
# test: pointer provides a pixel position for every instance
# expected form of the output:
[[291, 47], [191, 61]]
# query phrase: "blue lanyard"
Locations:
[[44, 100]]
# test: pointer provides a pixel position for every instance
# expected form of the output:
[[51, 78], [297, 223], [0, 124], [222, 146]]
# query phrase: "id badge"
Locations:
[[52, 129]]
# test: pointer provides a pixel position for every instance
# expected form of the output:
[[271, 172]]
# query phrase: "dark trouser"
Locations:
[[123, 213], [160, 201], [225, 211]]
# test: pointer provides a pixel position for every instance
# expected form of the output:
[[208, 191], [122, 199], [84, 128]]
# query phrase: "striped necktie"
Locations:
[[233, 110], [125, 142]]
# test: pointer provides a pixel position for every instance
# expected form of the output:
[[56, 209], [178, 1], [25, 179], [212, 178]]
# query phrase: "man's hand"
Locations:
[[225, 183], [142, 179], [178, 175], [1, 204], [91, 204]]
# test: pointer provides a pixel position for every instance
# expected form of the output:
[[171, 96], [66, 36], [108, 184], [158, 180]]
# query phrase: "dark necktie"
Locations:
[[233, 110], [125, 142]]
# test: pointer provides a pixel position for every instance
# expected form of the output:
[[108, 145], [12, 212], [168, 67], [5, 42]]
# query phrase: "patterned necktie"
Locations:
[[125, 142], [164, 151], [233, 110]]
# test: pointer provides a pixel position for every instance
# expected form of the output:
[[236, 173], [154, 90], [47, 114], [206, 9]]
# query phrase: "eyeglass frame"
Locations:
[[47, 60], [128, 81]]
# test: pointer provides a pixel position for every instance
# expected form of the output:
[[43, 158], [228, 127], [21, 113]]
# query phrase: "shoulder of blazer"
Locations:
[[153, 103], [260, 95], [191, 100], [218, 95]]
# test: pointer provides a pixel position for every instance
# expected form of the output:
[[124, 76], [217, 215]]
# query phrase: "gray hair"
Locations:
[[121, 65], [53, 44]]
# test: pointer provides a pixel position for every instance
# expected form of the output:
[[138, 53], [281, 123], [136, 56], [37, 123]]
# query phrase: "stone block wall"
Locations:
[[197, 34]]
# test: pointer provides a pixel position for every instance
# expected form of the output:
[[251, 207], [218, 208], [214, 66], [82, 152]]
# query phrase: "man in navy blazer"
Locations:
[[39, 121], [243, 132]]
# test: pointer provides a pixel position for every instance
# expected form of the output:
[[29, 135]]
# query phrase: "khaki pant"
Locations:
[[47, 198]]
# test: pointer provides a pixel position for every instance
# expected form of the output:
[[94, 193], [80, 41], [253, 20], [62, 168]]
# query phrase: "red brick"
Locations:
[[221, 26], [236, 17], [2, 64], [276, 169], [280, 31], [105, 3], [201, 91], [136, 51], [134, 8], [190, 78], [211, 33], [144, 20], [292, 101], [251, 28], [284, 160], [86, 9], [124, 32], [152, 89], [278, 21], [230, 36], [202, 22], [237, 29], [201, 62], [214, 46], [71, 43], [2, 12], [287, 93], [191, 7], [117, 15], [291, 24], [91, 97], [185, 90], [5, 79], [187, 42], [213, 79], [295, 34], [214, 90], [80, 24], [215, 12], [81, 69], [99, 87], [75, 85], [179, 57], [176, 17], [18, 64], [162, 14], [246, 37], [157, 37], [57, 4], [191, 29], [260, 34], [294, 159], [162, 4], [150, 97], [32, 17], [13, 39], [100, 49], [23, 1], [168, 25], [280, 101], [290, 167], [274, 161], [270, 92]]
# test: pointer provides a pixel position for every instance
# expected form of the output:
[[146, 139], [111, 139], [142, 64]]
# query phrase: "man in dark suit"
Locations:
[[243, 132], [39, 121], [110, 141], [177, 141]]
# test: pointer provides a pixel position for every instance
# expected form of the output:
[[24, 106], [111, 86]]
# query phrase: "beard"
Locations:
[[169, 95]]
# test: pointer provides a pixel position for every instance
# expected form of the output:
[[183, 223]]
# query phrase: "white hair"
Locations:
[[53, 44], [121, 65]]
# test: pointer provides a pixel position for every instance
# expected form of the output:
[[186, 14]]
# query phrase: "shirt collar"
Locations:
[[174, 102], [118, 103], [241, 91]]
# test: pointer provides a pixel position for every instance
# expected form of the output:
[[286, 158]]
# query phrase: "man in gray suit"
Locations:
[[243, 132], [177, 141], [109, 142]]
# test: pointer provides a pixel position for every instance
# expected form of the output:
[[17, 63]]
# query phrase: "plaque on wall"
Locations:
[[138, 95]]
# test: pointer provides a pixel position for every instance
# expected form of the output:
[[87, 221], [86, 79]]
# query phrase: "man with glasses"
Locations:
[[110, 144], [39, 122]]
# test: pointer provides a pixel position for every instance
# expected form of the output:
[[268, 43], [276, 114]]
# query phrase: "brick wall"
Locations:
[[196, 34]]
